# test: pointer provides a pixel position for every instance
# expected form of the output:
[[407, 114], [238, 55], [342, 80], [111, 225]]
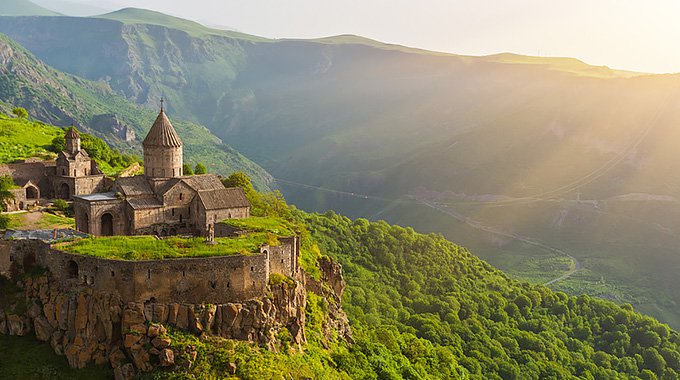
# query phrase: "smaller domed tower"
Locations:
[[72, 141], [162, 149]]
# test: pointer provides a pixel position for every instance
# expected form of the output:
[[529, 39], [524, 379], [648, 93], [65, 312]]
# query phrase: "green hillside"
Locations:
[[24, 8], [23, 139]]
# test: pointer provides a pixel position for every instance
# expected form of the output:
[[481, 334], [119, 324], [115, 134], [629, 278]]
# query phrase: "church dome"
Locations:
[[162, 133]]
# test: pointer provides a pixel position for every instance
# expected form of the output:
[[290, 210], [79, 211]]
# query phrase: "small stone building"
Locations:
[[161, 201], [71, 174]]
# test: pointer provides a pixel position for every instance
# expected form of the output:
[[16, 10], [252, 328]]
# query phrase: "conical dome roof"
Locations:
[[162, 133]]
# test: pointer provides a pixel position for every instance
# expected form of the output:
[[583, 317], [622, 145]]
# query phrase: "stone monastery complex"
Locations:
[[161, 201]]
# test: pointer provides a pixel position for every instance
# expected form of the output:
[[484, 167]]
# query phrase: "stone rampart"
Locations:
[[191, 280]]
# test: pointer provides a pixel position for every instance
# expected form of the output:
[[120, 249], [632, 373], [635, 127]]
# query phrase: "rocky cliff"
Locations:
[[87, 325]]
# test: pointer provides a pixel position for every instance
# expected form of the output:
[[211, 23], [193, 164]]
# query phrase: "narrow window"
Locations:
[[281, 261], [162, 172], [251, 269], [180, 196], [148, 274], [183, 274], [173, 212], [113, 274], [228, 284], [173, 172], [153, 172], [180, 218], [11, 258], [253, 283], [189, 211]]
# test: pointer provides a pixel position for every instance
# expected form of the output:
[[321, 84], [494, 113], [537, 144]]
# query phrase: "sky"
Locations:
[[621, 34]]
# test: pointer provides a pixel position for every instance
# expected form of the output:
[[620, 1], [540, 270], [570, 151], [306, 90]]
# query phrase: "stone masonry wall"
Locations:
[[192, 280]]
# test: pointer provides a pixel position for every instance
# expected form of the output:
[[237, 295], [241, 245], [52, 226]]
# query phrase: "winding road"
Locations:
[[524, 239]]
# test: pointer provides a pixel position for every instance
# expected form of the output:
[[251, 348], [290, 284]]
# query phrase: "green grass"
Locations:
[[148, 248], [27, 358], [49, 220], [17, 220], [23, 139], [275, 226]]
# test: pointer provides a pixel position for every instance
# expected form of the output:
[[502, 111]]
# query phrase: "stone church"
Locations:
[[161, 201], [72, 173]]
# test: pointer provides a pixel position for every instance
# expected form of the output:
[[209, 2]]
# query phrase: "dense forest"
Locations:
[[402, 286]]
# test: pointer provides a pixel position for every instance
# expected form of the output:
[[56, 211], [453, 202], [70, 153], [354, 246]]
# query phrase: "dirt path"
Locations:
[[478, 225], [32, 218]]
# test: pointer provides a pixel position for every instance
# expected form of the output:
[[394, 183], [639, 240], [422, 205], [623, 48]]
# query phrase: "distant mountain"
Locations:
[[63, 100], [24, 8], [74, 8], [523, 159]]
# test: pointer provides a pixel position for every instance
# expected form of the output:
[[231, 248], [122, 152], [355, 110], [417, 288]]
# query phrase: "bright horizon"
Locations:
[[620, 34]]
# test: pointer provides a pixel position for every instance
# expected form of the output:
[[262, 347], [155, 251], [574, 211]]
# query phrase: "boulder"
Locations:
[[159, 342], [155, 330], [166, 357]]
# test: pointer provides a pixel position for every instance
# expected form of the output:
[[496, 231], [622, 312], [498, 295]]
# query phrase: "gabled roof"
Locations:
[[144, 203], [134, 186], [203, 182], [162, 133], [223, 198]]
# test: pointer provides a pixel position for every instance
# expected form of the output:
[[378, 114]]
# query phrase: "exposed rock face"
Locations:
[[109, 123], [331, 276], [87, 325]]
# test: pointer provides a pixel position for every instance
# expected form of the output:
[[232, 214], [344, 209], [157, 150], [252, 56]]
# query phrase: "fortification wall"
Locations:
[[190, 280]]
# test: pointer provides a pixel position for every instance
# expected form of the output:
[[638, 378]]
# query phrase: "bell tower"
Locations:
[[72, 141]]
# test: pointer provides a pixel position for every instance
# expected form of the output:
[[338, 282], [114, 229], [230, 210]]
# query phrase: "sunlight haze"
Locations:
[[629, 35]]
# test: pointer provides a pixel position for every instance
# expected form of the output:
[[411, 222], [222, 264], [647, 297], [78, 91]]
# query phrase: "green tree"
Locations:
[[186, 169], [20, 112], [200, 169], [238, 179]]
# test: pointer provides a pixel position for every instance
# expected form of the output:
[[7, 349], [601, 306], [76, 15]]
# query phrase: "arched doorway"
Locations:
[[84, 224], [32, 193], [64, 191], [107, 224]]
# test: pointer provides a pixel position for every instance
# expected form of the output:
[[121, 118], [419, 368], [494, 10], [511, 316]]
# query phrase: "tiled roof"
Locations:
[[223, 198], [203, 182], [144, 203], [133, 186], [162, 133]]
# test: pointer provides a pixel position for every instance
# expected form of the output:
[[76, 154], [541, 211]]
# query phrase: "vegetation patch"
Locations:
[[27, 358], [150, 248], [277, 226]]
